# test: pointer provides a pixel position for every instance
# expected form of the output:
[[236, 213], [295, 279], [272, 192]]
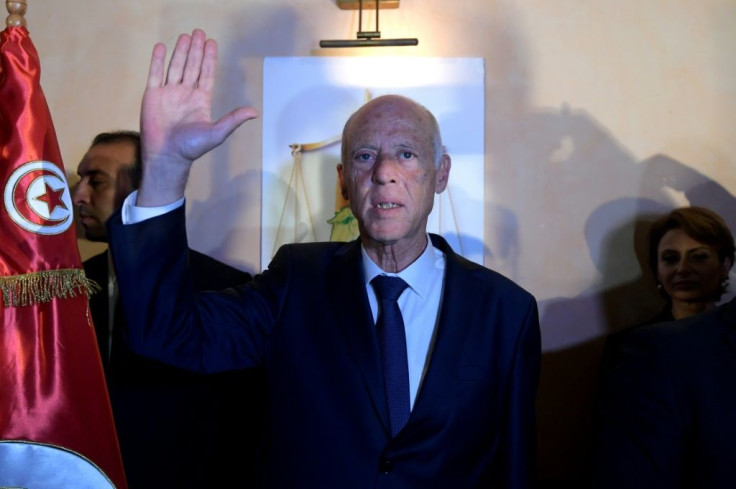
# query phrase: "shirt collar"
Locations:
[[415, 274]]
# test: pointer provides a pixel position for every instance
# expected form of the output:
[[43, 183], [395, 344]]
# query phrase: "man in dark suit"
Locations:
[[666, 414], [171, 423], [433, 389]]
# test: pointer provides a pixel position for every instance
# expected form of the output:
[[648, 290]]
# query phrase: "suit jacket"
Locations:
[[667, 416], [307, 320], [175, 427], [612, 345]]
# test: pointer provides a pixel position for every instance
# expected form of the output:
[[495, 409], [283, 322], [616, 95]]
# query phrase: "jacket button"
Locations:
[[386, 466]]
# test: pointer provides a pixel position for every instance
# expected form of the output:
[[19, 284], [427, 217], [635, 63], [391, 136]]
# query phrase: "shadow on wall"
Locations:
[[567, 211], [580, 183], [616, 235], [569, 374]]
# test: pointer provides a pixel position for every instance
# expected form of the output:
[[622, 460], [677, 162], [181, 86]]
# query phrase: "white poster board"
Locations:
[[306, 101]]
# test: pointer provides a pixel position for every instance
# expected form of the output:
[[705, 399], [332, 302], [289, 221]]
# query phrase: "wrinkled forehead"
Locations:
[[393, 108], [390, 119]]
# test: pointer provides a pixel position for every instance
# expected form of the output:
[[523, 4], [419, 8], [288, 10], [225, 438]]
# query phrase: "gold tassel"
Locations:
[[44, 286]]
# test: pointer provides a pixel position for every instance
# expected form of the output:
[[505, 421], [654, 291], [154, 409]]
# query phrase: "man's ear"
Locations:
[[341, 181], [443, 174], [125, 183]]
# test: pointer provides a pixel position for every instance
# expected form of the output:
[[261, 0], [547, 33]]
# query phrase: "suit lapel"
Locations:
[[455, 323], [354, 316]]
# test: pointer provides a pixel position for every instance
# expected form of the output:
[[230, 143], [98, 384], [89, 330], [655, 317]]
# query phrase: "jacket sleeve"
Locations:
[[167, 320], [520, 440]]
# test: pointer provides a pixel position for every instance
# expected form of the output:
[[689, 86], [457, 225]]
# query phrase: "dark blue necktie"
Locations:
[[392, 340]]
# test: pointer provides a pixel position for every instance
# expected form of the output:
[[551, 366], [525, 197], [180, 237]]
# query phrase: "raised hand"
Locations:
[[176, 124]]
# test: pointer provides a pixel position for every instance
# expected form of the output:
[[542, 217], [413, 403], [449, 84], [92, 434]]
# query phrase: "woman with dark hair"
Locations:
[[664, 415], [691, 251]]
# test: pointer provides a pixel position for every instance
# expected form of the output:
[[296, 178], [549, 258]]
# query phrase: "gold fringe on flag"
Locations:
[[44, 286]]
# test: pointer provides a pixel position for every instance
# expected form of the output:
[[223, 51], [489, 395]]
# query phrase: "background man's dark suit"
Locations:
[[176, 428], [668, 412], [308, 321]]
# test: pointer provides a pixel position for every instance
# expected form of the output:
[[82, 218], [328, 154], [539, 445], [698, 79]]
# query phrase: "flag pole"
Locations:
[[16, 9]]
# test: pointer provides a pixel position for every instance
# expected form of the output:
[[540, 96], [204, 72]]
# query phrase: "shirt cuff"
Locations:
[[131, 214]]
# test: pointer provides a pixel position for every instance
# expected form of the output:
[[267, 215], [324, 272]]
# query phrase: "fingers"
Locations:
[[193, 67], [156, 70], [178, 59], [209, 65], [192, 63]]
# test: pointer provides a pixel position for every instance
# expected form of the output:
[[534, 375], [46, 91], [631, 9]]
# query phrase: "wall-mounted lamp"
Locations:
[[366, 38]]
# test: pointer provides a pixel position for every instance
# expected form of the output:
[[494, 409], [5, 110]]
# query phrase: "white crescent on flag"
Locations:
[[30, 465], [37, 198]]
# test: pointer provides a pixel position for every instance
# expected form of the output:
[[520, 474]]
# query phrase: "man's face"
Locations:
[[104, 183], [389, 176]]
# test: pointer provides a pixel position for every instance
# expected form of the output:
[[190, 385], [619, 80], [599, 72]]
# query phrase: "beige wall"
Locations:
[[597, 113]]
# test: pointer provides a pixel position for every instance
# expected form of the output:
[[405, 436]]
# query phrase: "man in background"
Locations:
[[176, 429]]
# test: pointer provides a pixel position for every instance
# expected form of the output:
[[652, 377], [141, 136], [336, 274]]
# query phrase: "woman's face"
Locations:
[[689, 271]]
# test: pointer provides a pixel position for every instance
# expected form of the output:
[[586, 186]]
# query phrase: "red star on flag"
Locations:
[[52, 198]]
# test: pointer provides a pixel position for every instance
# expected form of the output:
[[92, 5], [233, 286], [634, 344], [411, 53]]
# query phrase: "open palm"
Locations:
[[176, 123]]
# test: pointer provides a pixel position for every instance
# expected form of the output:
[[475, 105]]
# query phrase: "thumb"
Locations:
[[226, 124]]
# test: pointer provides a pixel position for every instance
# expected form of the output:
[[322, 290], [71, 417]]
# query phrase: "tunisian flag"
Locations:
[[56, 425]]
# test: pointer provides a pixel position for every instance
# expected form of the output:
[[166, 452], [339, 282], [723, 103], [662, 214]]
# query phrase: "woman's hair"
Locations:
[[700, 224]]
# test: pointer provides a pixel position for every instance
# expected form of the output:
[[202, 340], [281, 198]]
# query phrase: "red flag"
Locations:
[[56, 425]]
